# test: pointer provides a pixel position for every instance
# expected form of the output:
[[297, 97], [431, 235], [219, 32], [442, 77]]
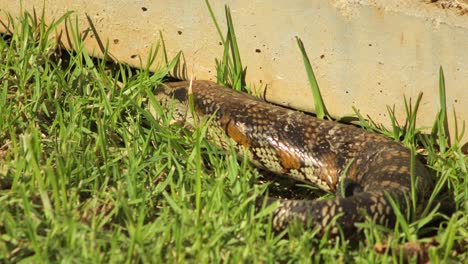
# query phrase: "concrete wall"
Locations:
[[367, 54]]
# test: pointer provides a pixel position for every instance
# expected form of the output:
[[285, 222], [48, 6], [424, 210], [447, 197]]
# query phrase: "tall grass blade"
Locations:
[[239, 73], [320, 109], [440, 129], [215, 21], [229, 70]]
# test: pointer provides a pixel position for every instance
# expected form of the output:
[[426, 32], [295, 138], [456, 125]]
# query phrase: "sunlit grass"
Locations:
[[88, 175]]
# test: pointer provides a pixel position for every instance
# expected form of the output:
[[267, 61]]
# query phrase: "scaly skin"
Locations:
[[308, 149]]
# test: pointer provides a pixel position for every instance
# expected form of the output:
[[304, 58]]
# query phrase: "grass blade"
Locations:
[[320, 109]]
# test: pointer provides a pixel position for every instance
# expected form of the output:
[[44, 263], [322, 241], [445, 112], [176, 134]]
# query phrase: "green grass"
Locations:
[[229, 70], [88, 176]]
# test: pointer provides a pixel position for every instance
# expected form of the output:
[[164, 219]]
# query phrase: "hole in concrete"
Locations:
[[179, 32], [220, 43], [322, 56], [133, 56], [144, 9], [116, 41], [258, 50]]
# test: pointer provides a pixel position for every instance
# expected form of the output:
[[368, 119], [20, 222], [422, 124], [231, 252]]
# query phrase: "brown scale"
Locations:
[[314, 150]]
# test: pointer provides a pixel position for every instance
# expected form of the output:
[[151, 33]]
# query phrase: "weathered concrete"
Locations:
[[366, 54]]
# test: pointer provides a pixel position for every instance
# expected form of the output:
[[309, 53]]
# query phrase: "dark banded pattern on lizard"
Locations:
[[308, 149]]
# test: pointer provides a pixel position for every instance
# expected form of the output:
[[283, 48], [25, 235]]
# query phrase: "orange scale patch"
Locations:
[[236, 134], [287, 161]]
